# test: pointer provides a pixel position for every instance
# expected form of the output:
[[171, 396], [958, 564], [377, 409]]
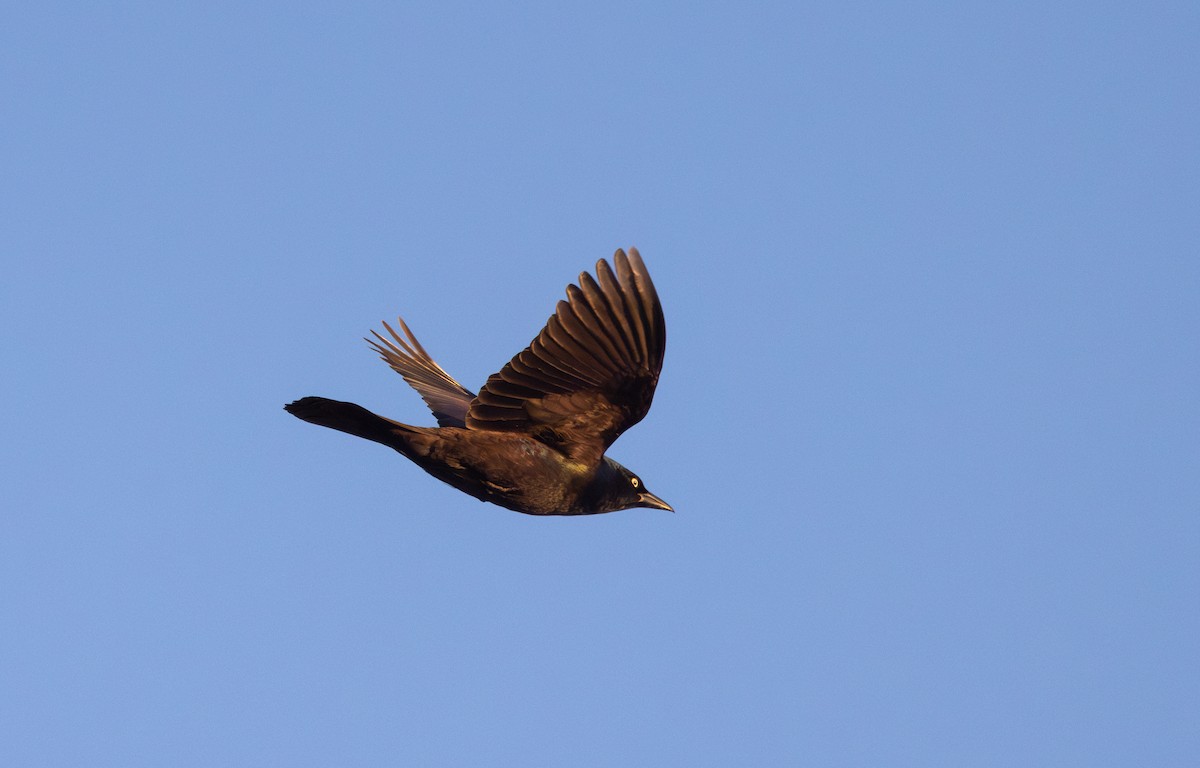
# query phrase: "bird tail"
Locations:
[[351, 419]]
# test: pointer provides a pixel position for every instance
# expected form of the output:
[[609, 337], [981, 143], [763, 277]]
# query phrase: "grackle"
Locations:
[[533, 439]]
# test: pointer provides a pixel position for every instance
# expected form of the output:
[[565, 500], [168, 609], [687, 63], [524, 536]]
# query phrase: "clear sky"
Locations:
[[929, 415]]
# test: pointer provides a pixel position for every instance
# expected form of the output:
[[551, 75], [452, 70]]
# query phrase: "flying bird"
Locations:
[[533, 439]]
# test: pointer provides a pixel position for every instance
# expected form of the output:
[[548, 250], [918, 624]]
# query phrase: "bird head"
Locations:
[[615, 488]]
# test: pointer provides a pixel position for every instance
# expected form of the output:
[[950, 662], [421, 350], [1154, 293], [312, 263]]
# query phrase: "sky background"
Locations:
[[929, 413]]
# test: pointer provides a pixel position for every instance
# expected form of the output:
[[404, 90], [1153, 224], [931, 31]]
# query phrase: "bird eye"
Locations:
[[635, 482]]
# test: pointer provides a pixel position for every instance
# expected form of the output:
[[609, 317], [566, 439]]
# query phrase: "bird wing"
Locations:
[[590, 374], [448, 399]]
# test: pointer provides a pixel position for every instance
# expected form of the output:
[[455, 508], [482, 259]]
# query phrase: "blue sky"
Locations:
[[928, 414]]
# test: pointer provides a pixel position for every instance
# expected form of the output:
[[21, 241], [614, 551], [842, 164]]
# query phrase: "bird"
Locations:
[[533, 439]]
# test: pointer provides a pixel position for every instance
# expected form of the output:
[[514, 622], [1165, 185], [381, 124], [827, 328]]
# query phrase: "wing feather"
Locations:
[[591, 372], [448, 399]]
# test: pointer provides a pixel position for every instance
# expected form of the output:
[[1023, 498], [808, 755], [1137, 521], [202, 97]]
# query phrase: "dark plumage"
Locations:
[[533, 439]]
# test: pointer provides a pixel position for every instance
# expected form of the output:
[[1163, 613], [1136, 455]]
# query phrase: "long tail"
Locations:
[[351, 419]]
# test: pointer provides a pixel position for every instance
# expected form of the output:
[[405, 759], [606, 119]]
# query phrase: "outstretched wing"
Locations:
[[590, 374], [448, 399]]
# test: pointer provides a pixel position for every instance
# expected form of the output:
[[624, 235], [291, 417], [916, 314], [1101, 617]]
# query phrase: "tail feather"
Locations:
[[349, 418]]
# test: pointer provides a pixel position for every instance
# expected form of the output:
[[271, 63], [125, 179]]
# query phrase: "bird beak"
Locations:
[[647, 499]]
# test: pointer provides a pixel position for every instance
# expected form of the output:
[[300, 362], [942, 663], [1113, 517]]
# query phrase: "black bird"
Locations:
[[533, 439]]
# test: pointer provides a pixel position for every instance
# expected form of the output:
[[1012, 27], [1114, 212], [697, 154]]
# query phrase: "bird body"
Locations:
[[533, 439]]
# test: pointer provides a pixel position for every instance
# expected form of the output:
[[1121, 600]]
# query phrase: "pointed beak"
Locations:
[[647, 499]]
